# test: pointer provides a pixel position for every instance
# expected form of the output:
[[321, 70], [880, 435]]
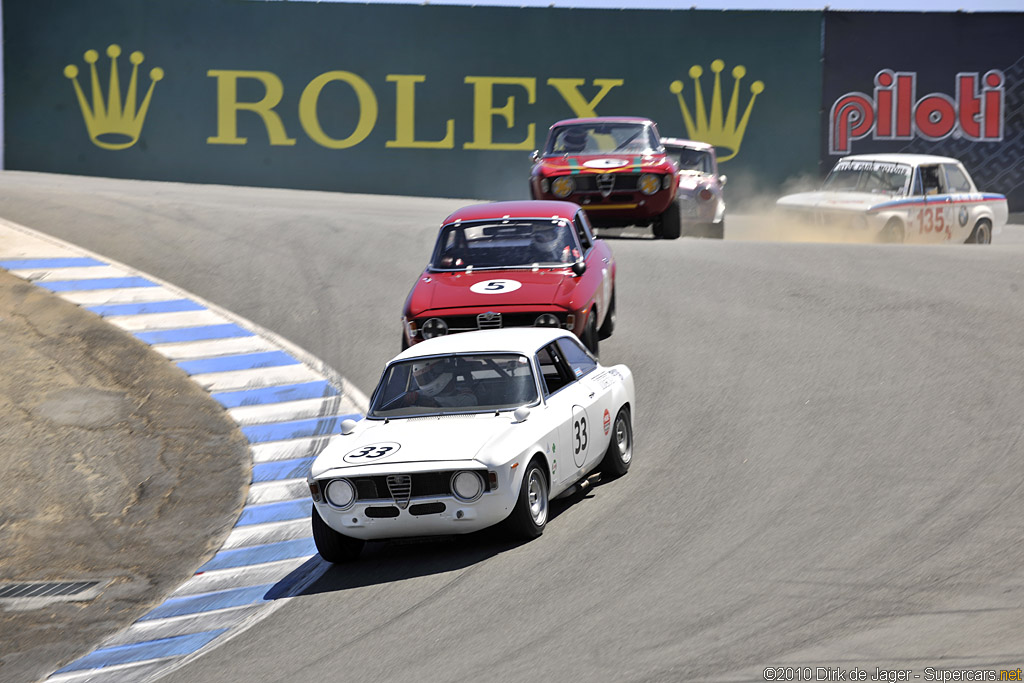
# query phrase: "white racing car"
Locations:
[[899, 198], [468, 431]]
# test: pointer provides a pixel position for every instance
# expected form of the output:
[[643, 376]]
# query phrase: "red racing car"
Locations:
[[615, 167], [513, 264]]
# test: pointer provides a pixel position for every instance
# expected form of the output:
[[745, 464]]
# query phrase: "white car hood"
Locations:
[[413, 440], [833, 201]]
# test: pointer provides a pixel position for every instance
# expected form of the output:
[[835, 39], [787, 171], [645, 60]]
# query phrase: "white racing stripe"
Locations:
[[269, 555]]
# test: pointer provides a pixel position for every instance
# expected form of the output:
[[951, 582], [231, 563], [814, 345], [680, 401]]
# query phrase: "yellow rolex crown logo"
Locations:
[[115, 123], [719, 127]]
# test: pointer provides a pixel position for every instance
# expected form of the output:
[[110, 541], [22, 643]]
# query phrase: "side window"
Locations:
[[583, 231], [956, 179], [553, 369], [932, 180], [580, 362]]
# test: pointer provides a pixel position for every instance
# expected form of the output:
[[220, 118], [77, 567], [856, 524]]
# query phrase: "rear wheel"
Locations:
[[670, 223], [530, 515], [620, 451], [982, 233], [608, 327], [331, 545]]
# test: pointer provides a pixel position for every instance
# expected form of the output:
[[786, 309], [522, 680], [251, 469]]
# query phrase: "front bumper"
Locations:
[[467, 320], [610, 198], [430, 515]]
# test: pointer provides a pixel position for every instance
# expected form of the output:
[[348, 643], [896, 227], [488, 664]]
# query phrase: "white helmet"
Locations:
[[545, 239], [431, 376]]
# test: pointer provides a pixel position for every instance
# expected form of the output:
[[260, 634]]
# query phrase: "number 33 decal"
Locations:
[[496, 286], [371, 452]]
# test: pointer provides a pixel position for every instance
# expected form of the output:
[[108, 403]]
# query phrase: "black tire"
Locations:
[[530, 515], [670, 222], [591, 339], [982, 233], [657, 229], [620, 450], [608, 327], [893, 232], [332, 546], [405, 342]]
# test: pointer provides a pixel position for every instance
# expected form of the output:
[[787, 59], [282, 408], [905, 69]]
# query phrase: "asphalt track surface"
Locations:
[[827, 471]]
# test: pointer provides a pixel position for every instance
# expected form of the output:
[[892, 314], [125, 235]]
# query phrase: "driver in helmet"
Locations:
[[436, 386], [551, 243]]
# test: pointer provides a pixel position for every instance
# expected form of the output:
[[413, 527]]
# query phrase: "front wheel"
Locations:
[[332, 546], [893, 232], [530, 515], [671, 226], [982, 233], [608, 327], [591, 338], [620, 451]]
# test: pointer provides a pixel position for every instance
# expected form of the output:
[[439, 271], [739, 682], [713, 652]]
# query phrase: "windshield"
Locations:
[[454, 384], [602, 138], [687, 159], [508, 243], [868, 176]]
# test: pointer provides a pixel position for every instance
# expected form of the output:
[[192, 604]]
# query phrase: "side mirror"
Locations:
[[521, 413], [722, 179], [535, 156], [579, 267], [347, 426]]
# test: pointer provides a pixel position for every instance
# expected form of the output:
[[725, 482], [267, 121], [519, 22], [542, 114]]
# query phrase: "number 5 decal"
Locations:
[[496, 286]]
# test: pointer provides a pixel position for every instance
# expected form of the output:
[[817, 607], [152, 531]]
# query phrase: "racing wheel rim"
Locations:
[[624, 438], [536, 491]]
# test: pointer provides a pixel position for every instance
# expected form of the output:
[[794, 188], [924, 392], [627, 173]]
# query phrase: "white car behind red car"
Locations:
[[468, 431], [913, 198]]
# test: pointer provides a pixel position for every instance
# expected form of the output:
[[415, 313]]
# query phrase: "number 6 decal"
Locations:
[[496, 286], [371, 452]]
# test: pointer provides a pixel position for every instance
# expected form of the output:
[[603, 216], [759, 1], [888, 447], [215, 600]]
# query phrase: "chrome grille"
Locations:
[[605, 183], [488, 320], [400, 486]]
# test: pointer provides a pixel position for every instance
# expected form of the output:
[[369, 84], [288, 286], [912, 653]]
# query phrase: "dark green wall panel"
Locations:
[[379, 47]]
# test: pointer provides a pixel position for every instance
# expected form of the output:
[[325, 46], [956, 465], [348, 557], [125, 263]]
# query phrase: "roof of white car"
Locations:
[[898, 158], [525, 340]]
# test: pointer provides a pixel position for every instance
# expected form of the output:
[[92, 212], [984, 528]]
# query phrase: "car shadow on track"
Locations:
[[389, 561]]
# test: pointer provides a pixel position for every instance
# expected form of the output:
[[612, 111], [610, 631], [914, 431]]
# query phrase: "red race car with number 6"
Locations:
[[515, 264]]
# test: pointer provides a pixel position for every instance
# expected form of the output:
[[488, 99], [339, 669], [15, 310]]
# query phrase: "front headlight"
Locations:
[[650, 183], [562, 186], [467, 486], [340, 493], [435, 327], [546, 320], [706, 194]]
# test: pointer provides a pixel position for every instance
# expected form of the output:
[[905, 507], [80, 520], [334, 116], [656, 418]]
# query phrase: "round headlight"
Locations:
[[467, 486], [562, 186], [340, 493], [435, 327], [546, 320], [650, 183], [705, 194]]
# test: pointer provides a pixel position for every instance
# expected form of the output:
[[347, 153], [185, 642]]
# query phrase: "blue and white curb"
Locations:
[[286, 402]]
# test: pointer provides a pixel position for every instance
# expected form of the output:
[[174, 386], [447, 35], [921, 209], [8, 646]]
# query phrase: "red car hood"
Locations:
[[454, 290], [604, 163]]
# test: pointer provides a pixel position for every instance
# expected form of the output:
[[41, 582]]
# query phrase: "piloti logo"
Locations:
[[896, 113]]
